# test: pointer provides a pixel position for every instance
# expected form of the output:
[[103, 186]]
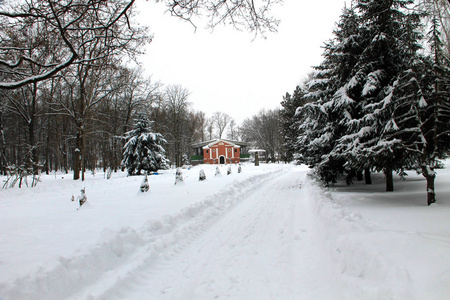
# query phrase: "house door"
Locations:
[[222, 160]]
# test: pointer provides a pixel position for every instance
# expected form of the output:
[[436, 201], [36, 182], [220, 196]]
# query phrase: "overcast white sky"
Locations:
[[226, 70]]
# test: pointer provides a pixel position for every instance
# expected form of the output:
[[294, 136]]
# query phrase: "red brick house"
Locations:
[[219, 151]]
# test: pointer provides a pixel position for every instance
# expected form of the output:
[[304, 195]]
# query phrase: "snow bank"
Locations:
[[378, 260]]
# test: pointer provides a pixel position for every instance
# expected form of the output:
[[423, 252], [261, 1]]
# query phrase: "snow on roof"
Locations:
[[215, 141], [256, 150]]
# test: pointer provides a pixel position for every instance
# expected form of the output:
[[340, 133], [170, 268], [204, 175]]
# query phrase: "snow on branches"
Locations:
[[144, 150]]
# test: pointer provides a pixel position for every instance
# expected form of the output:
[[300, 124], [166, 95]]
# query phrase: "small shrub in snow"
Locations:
[[178, 176], [82, 198], [403, 175], [229, 170], [202, 175], [144, 185], [109, 173], [20, 175], [240, 168], [217, 171], [185, 160]]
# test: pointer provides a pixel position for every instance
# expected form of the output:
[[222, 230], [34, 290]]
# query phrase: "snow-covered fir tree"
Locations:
[[82, 198], [217, 171], [201, 175], [144, 185], [378, 103], [289, 120], [323, 121], [185, 160], [144, 150], [178, 176], [374, 139]]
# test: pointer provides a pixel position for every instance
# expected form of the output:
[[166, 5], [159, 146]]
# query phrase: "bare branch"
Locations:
[[64, 23]]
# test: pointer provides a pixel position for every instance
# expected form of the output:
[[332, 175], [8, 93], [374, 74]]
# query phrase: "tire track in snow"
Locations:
[[188, 236], [264, 248], [123, 258]]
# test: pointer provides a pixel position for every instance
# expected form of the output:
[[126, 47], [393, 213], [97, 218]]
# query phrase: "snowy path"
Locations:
[[267, 233], [264, 248]]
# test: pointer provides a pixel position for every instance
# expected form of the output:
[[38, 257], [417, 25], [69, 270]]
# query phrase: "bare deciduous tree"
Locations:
[[253, 15], [220, 120], [56, 25], [62, 22], [176, 102], [233, 130], [264, 131]]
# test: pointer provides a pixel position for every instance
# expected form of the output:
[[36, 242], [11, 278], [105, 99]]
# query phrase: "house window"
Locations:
[[229, 150], [207, 151], [235, 150]]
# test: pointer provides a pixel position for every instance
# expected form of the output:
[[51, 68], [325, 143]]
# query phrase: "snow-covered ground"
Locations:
[[269, 232]]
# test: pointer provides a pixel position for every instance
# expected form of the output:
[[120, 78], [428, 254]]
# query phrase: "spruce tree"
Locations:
[[144, 150], [289, 121], [378, 102], [375, 138], [201, 175], [324, 121], [179, 176], [144, 185]]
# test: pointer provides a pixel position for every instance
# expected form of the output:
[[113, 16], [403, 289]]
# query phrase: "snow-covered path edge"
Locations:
[[372, 260], [112, 258]]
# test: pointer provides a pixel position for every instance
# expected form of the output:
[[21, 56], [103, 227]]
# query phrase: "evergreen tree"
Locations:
[[378, 103], [324, 121], [144, 185], [289, 121], [185, 160], [178, 176], [144, 149], [82, 198], [375, 137], [201, 175]]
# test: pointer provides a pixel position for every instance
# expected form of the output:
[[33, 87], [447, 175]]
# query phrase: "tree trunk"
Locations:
[[359, 175], [83, 153], [31, 131], [367, 176], [79, 119], [389, 179], [429, 175], [349, 179], [3, 162], [76, 158], [66, 157], [47, 154]]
